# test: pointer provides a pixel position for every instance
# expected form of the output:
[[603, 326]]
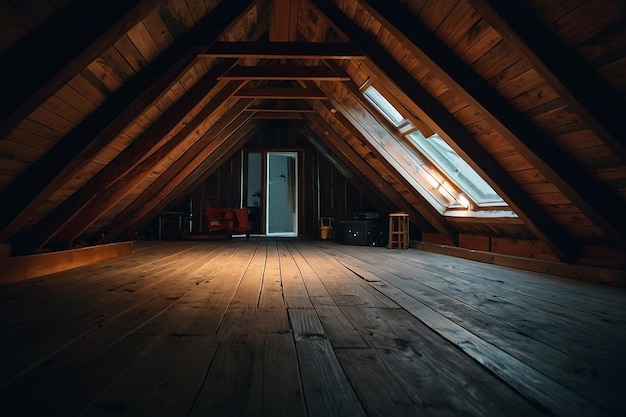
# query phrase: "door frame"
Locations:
[[263, 198]]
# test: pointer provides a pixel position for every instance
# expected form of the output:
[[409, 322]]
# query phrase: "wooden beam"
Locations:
[[387, 150], [182, 167], [282, 111], [283, 25], [274, 115], [20, 268], [354, 168], [599, 203], [76, 149], [360, 164], [110, 194], [581, 89], [598, 275], [50, 57], [179, 186], [280, 93], [282, 106], [386, 69], [129, 160], [282, 50], [283, 72], [223, 153]]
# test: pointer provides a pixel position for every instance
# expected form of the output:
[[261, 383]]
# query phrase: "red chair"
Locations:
[[240, 223], [217, 220]]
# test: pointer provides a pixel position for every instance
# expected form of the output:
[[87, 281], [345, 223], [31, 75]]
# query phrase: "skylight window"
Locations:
[[385, 107], [459, 176], [468, 180]]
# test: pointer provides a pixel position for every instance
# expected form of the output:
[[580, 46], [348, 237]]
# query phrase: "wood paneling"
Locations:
[[516, 99]]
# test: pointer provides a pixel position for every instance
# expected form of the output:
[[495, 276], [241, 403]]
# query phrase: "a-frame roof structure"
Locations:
[[114, 109]]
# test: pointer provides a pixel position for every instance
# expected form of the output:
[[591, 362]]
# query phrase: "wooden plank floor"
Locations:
[[299, 328]]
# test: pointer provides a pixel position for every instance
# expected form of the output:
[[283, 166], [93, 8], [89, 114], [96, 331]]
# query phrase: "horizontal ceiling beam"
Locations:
[[280, 93], [284, 72], [282, 111], [282, 50], [296, 106], [273, 115]]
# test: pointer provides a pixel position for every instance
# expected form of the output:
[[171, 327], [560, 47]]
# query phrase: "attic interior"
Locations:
[[133, 133]]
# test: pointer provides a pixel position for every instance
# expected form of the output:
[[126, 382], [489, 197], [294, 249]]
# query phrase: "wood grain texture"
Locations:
[[19, 268], [184, 326]]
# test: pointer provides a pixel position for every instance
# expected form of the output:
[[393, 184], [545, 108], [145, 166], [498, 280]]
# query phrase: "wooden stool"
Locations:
[[398, 231]]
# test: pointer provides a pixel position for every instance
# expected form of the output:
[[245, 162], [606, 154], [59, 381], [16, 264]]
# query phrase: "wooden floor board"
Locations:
[[526, 315], [61, 323], [164, 390], [583, 311], [524, 282], [318, 293], [271, 291], [340, 330], [571, 355], [61, 287], [326, 388], [288, 327], [294, 288], [340, 283], [381, 393]]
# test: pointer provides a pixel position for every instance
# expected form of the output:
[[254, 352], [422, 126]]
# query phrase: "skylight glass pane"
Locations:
[[383, 106], [458, 174], [464, 176]]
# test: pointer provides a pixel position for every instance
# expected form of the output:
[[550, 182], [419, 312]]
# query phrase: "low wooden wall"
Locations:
[[599, 275], [19, 268]]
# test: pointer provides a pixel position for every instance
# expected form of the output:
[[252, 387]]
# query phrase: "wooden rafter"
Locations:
[[384, 152], [591, 196], [77, 148], [282, 50], [590, 98], [356, 163], [183, 166], [127, 160], [345, 167], [386, 68], [110, 194], [60, 52], [220, 155]]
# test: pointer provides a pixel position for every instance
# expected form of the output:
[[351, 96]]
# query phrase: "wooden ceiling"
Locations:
[[112, 111]]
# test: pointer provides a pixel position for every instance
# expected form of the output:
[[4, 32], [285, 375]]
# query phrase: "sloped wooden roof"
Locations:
[[112, 110]]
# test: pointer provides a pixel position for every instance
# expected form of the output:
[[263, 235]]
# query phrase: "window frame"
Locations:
[[461, 202]]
